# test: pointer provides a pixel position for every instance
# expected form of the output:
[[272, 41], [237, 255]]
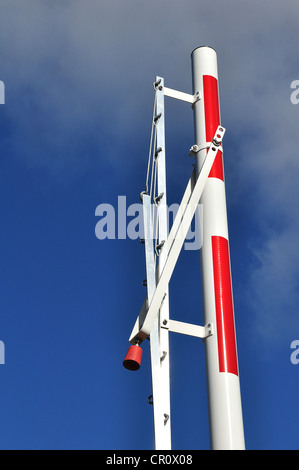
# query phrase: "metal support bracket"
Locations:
[[197, 148], [189, 329], [179, 95]]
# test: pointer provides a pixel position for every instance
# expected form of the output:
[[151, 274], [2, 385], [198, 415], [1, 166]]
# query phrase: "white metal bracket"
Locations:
[[178, 95], [189, 329], [198, 147]]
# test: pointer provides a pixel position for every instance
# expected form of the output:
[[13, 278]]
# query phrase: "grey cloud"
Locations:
[[83, 72]]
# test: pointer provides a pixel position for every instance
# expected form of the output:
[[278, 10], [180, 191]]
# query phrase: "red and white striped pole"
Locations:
[[225, 409]]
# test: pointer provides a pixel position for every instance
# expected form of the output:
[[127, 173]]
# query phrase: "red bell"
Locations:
[[133, 357]]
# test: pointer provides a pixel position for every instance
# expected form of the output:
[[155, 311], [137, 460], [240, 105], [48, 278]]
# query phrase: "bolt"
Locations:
[[163, 356]]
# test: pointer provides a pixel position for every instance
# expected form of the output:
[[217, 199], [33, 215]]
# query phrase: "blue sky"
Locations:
[[74, 134]]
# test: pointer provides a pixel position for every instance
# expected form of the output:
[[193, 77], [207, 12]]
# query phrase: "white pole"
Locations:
[[159, 341], [225, 410]]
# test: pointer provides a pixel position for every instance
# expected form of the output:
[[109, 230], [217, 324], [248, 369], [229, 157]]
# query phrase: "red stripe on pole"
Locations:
[[212, 120], [227, 351]]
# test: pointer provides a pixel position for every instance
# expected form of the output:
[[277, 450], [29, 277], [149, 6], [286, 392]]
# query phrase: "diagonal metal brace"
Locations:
[[142, 329]]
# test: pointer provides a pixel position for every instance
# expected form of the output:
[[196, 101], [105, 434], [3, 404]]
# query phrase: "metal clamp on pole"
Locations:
[[197, 148]]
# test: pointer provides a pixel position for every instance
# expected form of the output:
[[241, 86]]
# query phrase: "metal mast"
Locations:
[[225, 411], [206, 186], [159, 343]]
